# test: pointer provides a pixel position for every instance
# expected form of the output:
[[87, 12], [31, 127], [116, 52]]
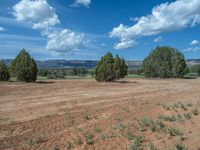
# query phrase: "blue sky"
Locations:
[[87, 29]]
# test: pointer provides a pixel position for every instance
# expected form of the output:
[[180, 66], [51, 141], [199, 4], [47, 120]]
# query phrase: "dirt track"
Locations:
[[61, 114]]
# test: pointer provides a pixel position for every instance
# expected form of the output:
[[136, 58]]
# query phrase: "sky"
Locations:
[[88, 29]]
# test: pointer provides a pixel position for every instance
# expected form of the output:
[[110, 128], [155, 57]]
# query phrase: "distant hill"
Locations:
[[191, 62], [87, 63]]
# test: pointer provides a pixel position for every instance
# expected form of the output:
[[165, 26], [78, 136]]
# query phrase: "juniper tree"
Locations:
[[164, 62], [110, 69], [24, 68]]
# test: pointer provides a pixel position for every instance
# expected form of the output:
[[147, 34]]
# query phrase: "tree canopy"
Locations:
[[164, 62]]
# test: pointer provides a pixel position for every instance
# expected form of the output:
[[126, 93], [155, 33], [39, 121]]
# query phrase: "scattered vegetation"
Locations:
[[121, 127], [129, 136], [136, 143], [187, 116], [168, 118], [37, 139], [89, 138], [175, 132], [184, 107], [180, 147], [97, 129]]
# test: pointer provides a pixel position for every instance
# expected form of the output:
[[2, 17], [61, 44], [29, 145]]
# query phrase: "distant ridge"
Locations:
[[87, 63]]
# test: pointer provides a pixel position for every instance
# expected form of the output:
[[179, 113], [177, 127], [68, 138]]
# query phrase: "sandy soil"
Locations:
[[84, 114]]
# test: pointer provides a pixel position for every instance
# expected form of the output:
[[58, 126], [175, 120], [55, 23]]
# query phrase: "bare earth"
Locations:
[[84, 114]]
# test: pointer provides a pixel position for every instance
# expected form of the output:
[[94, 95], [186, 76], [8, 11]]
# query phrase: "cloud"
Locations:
[[103, 44], [63, 40], [166, 17], [192, 49], [2, 29], [124, 44], [41, 16], [39, 13], [78, 3], [194, 42], [134, 19], [158, 39]]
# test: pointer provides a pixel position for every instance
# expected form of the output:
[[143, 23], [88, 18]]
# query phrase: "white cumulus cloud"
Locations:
[[167, 17], [85, 3], [192, 49], [194, 42], [60, 41], [37, 12], [158, 39], [42, 16], [2, 29], [125, 44]]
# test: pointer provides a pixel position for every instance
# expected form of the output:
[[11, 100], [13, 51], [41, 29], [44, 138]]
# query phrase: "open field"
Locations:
[[84, 114]]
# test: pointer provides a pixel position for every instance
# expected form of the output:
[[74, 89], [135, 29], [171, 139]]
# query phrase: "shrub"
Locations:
[[175, 132], [24, 67], [56, 74], [43, 72], [4, 73], [89, 138], [195, 69], [164, 62], [79, 71], [109, 69], [136, 143], [180, 147], [187, 116], [97, 129]]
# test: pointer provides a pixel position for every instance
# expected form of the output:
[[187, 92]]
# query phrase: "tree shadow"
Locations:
[[45, 82], [189, 77], [125, 82]]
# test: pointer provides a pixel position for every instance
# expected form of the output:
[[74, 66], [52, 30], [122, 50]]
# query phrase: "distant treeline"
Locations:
[[62, 73]]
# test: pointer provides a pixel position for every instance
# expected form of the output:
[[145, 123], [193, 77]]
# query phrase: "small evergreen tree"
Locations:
[[24, 67], [104, 70], [4, 72], [164, 62], [109, 69]]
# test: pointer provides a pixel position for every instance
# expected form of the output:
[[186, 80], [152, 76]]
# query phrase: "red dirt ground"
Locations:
[[84, 114]]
